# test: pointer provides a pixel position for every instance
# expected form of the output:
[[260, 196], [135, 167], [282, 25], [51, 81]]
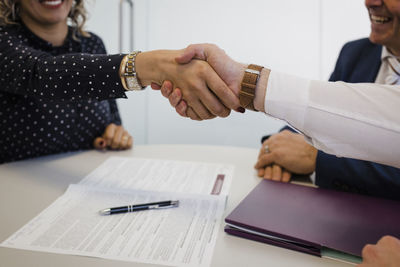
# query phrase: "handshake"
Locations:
[[200, 81]]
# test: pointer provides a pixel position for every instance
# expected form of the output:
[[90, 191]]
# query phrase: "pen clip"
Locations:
[[173, 204]]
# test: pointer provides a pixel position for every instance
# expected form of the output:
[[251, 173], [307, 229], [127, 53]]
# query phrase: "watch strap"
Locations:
[[248, 86], [128, 74]]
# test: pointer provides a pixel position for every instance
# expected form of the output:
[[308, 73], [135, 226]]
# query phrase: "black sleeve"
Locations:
[[70, 77], [112, 102]]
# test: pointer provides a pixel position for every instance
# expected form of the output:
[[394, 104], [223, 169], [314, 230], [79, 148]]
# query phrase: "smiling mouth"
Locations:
[[380, 19], [51, 2]]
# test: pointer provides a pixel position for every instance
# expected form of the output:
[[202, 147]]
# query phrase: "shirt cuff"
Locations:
[[286, 98]]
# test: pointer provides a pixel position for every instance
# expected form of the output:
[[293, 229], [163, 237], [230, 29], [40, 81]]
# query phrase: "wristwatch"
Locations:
[[128, 74], [248, 86]]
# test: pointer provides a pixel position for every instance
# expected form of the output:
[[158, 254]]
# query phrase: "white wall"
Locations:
[[298, 37]]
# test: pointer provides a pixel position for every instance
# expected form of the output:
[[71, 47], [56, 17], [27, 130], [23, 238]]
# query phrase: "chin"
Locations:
[[374, 39], [379, 38]]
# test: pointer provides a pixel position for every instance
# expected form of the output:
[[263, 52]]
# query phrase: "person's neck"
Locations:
[[54, 33], [394, 51]]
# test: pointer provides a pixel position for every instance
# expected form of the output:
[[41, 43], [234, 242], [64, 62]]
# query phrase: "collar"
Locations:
[[387, 54], [45, 45]]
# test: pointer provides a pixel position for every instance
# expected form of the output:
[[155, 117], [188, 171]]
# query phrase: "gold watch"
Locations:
[[128, 74]]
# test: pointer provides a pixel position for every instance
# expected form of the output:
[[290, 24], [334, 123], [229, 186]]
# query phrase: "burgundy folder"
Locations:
[[312, 220]]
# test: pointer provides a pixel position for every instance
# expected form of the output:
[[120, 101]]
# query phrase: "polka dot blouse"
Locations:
[[54, 99]]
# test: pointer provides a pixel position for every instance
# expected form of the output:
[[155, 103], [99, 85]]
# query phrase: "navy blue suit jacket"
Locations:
[[359, 61]]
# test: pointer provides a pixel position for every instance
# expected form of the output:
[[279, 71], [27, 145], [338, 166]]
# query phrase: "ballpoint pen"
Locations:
[[138, 207]]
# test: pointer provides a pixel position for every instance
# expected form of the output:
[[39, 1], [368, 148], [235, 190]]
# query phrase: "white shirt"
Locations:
[[384, 70], [355, 120]]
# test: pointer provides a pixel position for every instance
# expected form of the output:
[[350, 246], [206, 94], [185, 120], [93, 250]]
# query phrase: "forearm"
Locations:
[[261, 88], [349, 120], [71, 77]]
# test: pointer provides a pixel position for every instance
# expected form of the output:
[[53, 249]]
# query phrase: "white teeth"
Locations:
[[380, 20], [52, 3]]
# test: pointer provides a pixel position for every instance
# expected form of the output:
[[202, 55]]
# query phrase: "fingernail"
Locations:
[[241, 109]]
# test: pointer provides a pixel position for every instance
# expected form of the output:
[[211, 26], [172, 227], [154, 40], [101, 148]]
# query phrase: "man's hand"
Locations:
[[114, 137], [386, 253], [288, 153], [230, 71]]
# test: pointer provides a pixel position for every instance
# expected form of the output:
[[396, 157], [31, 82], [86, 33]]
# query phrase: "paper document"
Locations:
[[162, 175], [182, 236]]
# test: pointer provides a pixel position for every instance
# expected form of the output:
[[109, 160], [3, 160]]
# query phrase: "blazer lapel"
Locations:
[[368, 65]]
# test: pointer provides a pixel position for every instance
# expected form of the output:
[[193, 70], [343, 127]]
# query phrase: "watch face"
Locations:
[[132, 83]]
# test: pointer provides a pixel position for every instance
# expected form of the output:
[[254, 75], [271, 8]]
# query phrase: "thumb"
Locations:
[[99, 143], [191, 52]]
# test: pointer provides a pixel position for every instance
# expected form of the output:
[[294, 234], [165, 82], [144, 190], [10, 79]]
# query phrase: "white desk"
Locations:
[[28, 187]]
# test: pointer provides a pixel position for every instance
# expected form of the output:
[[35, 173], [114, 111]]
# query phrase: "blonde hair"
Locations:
[[9, 15]]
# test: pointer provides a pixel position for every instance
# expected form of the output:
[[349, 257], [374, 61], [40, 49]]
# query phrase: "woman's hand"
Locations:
[[115, 137]]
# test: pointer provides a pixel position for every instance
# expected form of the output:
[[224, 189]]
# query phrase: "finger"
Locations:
[[201, 110], [166, 88], [175, 97], [268, 173], [260, 172], [116, 141], [124, 140], [262, 151], [181, 108], [286, 176], [192, 114], [190, 52], [109, 133], [276, 173], [368, 251], [222, 91], [99, 143], [130, 142], [265, 160], [199, 92], [155, 86]]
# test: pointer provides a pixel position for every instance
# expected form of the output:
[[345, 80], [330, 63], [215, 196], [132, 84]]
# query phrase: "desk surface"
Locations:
[[28, 187]]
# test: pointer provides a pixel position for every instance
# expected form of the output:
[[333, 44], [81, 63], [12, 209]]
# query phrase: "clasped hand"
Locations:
[[201, 81]]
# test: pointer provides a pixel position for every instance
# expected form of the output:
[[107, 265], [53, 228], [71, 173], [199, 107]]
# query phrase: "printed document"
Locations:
[[162, 175], [181, 236]]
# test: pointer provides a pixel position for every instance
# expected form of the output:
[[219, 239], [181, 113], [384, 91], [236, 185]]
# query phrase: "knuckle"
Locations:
[[191, 46], [387, 239], [368, 250], [202, 68], [108, 135]]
